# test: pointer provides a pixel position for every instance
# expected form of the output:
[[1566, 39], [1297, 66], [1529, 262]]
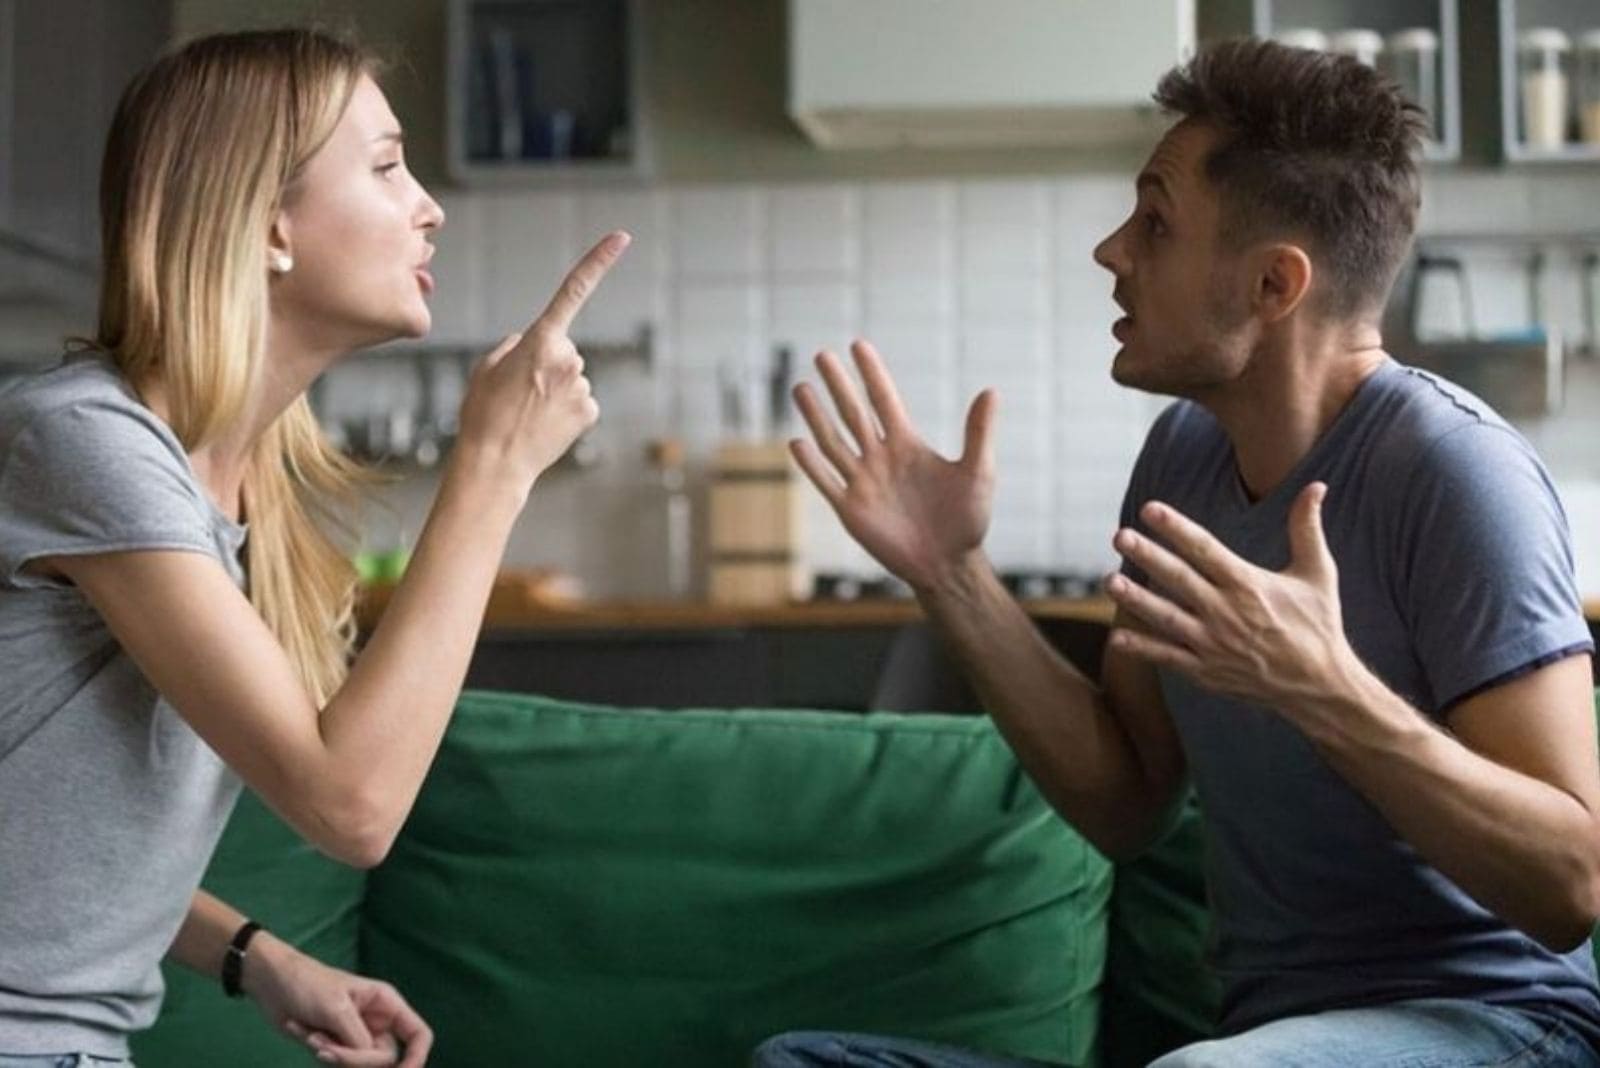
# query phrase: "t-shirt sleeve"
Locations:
[[1142, 483], [1487, 581], [89, 478]]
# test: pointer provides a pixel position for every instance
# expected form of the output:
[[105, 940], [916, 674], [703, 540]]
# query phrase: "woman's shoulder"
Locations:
[[85, 405]]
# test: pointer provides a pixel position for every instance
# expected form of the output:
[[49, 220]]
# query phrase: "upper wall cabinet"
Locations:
[[1550, 80], [953, 73], [544, 91], [1417, 42]]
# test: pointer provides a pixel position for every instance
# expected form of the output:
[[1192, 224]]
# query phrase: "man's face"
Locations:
[[1188, 326]]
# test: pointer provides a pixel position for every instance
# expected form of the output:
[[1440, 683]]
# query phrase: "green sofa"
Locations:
[[582, 885]]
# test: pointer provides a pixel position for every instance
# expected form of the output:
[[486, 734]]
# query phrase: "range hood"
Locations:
[[968, 74]]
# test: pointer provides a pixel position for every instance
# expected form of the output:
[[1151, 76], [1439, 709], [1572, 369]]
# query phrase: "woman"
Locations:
[[172, 617]]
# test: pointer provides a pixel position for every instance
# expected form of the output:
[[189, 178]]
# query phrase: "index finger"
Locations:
[[418, 1039], [582, 281], [1195, 544]]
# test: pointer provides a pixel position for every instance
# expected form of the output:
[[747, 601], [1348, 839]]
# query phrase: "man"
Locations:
[[1346, 611]]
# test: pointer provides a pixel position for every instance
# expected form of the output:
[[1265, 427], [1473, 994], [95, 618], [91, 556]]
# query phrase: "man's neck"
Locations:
[[1292, 391]]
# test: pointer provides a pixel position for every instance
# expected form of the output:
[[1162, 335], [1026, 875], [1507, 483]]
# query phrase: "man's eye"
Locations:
[[1154, 223]]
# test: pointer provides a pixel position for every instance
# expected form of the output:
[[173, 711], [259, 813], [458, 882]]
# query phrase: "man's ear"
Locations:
[[1283, 278]]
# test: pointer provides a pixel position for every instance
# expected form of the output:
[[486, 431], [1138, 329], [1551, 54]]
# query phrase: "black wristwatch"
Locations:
[[233, 959]]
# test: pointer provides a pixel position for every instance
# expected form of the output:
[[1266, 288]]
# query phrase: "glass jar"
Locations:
[[1362, 45], [1414, 65], [1543, 54], [1588, 66], [1303, 37]]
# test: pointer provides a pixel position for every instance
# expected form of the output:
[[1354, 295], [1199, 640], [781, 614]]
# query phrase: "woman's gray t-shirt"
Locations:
[[110, 805]]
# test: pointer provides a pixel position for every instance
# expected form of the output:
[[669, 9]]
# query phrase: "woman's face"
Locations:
[[357, 226]]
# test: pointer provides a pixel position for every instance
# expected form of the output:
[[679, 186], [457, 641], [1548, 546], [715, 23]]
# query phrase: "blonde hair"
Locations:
[[205, 146]]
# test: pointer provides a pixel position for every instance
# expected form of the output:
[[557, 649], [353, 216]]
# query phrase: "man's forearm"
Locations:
[[1522, 848], [1054, 718]]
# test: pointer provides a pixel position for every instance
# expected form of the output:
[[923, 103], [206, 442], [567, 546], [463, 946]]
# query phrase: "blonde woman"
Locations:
[[172, 617]]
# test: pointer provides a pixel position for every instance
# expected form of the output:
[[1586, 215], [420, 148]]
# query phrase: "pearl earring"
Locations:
[[282, 262]]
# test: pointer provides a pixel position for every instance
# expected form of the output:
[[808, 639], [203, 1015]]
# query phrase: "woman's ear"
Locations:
[[280, 260], [1282, 281]]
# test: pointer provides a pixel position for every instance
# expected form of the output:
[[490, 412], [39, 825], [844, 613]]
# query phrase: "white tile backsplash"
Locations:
[[816, 231], [961, 284], [529, 243], [909, 229], [719, 231], [458, 268]]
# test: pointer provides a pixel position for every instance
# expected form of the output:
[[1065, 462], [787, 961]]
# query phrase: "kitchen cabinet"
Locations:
[[542, 92], [1274, 18], [1549, 97], [1004, 73]]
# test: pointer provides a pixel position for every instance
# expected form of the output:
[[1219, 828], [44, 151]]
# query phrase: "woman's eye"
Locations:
[[387, 167]]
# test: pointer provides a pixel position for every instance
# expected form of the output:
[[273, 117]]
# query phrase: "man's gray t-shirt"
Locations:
[[1455, 571], [110, 805]]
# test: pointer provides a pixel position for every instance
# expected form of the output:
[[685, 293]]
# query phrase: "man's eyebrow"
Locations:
[[1154, 182]]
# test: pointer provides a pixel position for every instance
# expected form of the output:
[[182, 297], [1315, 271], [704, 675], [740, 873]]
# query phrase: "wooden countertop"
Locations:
[[511, 607], [517, 606]]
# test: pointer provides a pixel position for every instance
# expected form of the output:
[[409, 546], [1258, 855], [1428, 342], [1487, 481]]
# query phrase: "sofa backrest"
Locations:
[[604, 886]]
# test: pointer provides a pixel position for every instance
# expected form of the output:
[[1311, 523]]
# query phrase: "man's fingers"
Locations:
[[977, 450], [881, 391], [817, 470], [1154, 650], [1156, 612], [827, 436], [581, 282], [848, 401], [1308, 543], [1195, 544], [1169, 570]]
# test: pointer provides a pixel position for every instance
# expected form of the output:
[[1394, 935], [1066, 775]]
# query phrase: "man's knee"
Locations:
[[793, 1049]]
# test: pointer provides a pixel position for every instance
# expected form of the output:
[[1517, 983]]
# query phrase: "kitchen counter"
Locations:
[[820, 654], [511, 609], [516, 605]]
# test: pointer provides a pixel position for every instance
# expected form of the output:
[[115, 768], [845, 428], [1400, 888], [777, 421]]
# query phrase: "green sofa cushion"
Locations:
[[601, 886], [264, 869], [1159, 993]]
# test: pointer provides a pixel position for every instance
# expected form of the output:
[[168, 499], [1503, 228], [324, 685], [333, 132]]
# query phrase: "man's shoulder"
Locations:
[[1418, 415]]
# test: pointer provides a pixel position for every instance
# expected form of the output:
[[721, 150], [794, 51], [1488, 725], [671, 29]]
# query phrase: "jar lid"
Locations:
[[1355, 42], [1545, 39], [1415, 39], [1302, 37]]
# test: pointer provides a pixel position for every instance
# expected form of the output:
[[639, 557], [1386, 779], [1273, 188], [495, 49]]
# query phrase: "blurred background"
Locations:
[[929, 174]]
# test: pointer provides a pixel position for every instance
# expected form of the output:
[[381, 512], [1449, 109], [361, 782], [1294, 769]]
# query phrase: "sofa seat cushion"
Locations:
[[602, 886]]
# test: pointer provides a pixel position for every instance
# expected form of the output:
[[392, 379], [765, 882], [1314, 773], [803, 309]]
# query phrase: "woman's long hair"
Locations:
[[206, 144]]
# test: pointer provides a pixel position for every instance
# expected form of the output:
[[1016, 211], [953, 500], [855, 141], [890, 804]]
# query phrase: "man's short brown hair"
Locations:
[[1313, 145]]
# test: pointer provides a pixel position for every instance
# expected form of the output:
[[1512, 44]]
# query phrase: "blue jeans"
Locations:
[[60, 1060], [1435, 1033]]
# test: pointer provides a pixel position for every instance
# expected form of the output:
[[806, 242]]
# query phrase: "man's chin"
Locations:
[[1128, 371]]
